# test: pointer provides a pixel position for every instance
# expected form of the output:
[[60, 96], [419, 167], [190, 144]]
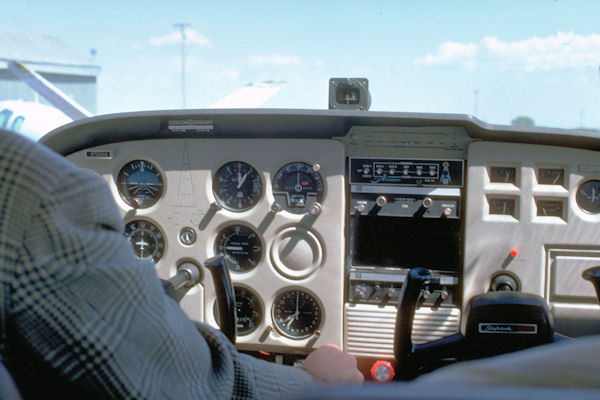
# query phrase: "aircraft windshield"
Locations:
[[526, 63]]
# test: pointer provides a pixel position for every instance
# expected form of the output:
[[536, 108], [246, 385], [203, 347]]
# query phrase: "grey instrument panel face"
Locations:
[[224, 196], [278, 209]]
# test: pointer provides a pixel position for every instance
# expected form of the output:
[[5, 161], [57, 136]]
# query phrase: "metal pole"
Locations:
[[182, 26]]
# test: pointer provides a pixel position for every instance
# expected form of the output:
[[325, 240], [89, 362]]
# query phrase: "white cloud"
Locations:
[[562, 50], [319, 63], [451, 53], [191, 37], [555, 51], [273, 59]]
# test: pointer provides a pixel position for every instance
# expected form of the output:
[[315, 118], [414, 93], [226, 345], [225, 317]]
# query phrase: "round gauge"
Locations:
[[297, 314], [248, 311], [140, 183], [146, 238], [588, 196], [240, 246], [300, 184], [237, 186]]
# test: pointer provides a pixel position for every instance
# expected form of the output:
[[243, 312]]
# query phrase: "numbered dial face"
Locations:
[[297, 314], [140, 183], [237, 186], [588, 196], [503, 174], [300, 184], [502, 206], [146, 238], [248, 311], [240, 246], [551, 176]]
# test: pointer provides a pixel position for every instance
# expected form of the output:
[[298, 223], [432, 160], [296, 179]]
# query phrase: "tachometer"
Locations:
[[146, 238], [237, 186], [240, 246], [140, 183], [296, 314], [299, 184]]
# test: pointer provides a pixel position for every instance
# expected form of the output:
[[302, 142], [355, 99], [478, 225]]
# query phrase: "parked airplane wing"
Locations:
[[250, 96]]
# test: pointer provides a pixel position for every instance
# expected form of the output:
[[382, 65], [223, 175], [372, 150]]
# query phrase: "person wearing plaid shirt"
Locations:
[[82, 316]]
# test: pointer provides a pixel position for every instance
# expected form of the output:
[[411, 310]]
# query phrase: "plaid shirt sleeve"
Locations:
[[81, 315]]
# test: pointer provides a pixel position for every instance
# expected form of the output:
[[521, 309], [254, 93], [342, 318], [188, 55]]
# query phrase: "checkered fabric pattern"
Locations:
[[80, 315]]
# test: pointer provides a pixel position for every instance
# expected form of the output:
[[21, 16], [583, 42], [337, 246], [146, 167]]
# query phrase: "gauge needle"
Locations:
[[242, 179], [298, 186], [556, 179]]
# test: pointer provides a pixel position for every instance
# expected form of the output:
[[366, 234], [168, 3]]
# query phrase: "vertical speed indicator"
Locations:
[[298, 185]]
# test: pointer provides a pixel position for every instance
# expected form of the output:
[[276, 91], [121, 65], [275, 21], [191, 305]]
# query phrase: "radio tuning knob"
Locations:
[[381, 201], [427, 201]]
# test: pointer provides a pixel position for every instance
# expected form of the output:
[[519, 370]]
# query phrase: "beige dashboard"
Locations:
[[297, 250], [511, 213]]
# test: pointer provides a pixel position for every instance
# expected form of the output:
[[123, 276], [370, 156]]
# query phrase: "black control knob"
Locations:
[[503, 283]]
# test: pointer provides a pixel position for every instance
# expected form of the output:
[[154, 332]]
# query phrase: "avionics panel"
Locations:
[[405, 213]]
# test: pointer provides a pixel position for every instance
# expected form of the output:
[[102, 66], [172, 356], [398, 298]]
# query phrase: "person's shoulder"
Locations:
[[27, 161], [30, 154]]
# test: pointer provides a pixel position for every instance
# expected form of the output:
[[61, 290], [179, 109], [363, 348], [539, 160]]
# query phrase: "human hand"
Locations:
[[328, 364]]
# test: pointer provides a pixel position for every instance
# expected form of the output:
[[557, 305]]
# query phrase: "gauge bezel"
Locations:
[[232, 225], [256, 199], [594, 211], [494, 176], [127, 199], [279, 295], [316, 170], [259, 302], [159, 230]]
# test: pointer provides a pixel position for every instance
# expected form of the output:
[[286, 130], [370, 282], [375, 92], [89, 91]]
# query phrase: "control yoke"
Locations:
[[494, 323], [188, 275]]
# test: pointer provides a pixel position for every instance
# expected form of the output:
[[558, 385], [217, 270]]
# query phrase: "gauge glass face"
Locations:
[[248, 311], [237, 186], [299, 184], [549, 208], [503, 174], [146, 238], [140, 183], [297, 314], [240, 246], [502, 206], [551, 176], [588, 196]]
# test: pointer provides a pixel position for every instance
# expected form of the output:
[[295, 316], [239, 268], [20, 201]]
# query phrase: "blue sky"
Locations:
[[534, 58]]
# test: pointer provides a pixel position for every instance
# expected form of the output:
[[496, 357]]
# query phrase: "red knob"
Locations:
[[514, 253], [382, 371]]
